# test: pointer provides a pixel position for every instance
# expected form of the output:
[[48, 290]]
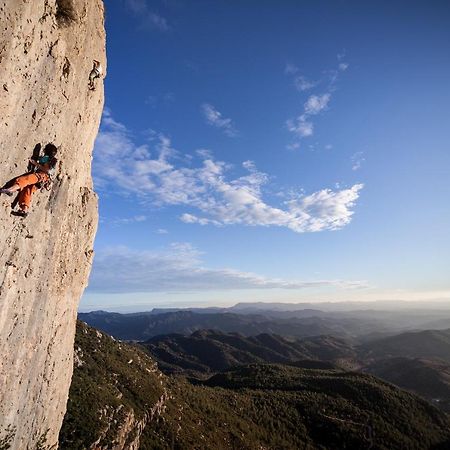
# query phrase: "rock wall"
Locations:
[[47, 49]]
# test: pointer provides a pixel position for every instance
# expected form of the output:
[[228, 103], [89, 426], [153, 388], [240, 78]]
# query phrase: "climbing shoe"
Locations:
[[21, 213], [6, 191]]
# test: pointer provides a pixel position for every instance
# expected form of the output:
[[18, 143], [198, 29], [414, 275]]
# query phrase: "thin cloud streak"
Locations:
[[148, 17], [178, 269], [215, 118], [123, 220]]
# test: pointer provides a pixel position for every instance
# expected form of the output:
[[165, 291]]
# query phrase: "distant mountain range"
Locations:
[[142, 326], [250, 320]]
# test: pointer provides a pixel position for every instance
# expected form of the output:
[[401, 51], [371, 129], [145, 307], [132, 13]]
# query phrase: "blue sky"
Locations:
[[291, 151]]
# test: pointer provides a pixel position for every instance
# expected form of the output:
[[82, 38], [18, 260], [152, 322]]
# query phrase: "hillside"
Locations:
[[422, 344], [428, 378], [116, 389], [118, 398], [209, 351]]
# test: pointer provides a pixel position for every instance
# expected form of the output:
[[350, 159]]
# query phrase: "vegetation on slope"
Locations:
[[420, 344], [428, 378], [209, 351], [113, 384], [250, 407]]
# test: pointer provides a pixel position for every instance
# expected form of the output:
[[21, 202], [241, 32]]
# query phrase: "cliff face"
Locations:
[[47, 49]]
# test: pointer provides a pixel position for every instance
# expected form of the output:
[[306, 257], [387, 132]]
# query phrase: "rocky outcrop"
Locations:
[[117, 393], [47, 49], [129, 429]]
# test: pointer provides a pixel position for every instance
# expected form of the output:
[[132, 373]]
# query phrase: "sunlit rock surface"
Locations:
[[47, 49]]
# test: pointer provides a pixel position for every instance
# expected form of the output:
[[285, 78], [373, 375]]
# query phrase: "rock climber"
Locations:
[[96, 72], [43, 169]]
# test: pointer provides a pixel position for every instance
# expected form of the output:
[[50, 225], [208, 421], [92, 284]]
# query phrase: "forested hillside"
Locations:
[[119, 398]]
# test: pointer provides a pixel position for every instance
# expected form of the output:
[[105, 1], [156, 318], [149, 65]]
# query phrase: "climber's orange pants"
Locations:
[[27, 184]]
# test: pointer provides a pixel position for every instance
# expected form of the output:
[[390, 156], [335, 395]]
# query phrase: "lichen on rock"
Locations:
[[47, 49]]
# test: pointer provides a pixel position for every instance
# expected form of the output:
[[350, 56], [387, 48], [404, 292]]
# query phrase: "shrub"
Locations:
[[65, 12]]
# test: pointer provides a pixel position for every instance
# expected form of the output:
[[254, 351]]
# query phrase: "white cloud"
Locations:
[[204, 153], [118, 221], [325, 209], [293, 146], [149, 18], [357, 160], [302, 126], [210, 196], [179, 268], [162, 231], [303, 84], [316, 103], [215, 118], [290, 69]]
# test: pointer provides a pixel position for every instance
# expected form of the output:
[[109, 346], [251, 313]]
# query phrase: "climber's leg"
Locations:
[[25, 198], [26, 180], [21, 183]]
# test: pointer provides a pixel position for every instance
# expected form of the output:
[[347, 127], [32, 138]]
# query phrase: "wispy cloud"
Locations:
[[209, 194], [301, 83], [302, 126], [149, 17], [156, 100], [118, 221], [180, 268], [357, 160], [341, 55], [316, 104], [290, 69], [215, 118]]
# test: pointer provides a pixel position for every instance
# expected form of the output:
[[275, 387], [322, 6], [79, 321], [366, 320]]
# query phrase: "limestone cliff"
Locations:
[[47, 49]]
